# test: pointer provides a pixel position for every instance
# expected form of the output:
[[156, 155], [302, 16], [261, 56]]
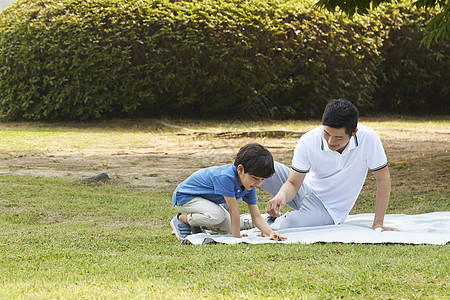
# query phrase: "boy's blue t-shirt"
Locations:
[[213, 183]]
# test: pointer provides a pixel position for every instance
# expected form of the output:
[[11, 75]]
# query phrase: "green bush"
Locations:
[[77, 59], [413, 79]]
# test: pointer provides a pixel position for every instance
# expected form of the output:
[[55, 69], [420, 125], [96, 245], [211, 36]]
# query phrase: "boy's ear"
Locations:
[[240, 169]]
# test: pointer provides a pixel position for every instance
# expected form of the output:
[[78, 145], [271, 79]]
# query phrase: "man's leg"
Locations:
[[273, 184], [311, 213], [308, 209]]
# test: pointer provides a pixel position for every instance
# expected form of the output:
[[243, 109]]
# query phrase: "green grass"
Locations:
[[61, 239]]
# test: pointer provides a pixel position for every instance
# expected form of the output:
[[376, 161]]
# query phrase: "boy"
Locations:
[[201, 197]]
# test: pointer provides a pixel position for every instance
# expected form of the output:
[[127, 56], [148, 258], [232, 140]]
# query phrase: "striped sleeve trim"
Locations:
[[298, 170], [379, 168]]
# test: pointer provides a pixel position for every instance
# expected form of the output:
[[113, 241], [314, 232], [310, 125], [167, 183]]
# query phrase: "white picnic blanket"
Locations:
[[431, 228]]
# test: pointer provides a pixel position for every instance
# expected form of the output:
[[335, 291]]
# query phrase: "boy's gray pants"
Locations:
[[308, 208], [207, 214]]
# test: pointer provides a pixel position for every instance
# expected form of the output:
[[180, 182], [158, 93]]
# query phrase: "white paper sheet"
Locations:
[[431, 228]]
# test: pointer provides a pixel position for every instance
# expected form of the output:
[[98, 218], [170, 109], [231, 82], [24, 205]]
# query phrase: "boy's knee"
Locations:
[[217, 217]]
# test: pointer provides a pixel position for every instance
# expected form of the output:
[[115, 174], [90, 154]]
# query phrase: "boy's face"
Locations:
[[248, 181], [336, 138]]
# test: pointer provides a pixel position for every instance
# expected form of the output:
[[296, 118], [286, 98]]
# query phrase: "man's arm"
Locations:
[[383, 179], [233, 208], [286, 193]]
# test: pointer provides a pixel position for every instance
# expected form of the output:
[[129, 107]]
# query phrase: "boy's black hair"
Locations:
[[256, 160], [341, 113]]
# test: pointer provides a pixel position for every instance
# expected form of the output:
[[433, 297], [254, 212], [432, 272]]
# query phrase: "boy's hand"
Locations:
[[273, 236], [240, 235], [276, 236]]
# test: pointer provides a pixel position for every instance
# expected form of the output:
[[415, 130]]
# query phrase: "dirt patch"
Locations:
[[418, 158]]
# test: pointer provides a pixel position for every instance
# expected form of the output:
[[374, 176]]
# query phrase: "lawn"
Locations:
[[61, 238]]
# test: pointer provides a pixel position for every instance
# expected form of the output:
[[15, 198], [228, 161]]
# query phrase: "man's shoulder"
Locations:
[[366, 130], [367, 138], [312, 136], [313, 133], [364, 127]]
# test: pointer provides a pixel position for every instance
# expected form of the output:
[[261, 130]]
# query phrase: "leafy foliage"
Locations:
[[412, 79], [78, 60], [439, 23]]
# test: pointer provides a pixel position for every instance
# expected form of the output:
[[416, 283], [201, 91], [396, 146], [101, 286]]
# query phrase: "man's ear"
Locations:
[[355, 131]]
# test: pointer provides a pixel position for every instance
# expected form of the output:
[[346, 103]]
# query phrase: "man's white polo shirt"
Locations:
[[337, 179]]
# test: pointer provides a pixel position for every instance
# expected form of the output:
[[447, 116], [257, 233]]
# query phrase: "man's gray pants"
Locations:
[[308, 208]]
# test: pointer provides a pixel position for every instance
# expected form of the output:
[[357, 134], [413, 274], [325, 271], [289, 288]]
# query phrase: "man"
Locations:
[[328, 171]]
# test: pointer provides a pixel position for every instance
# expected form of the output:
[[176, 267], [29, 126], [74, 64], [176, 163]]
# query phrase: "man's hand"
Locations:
[[286, 193], [383, 178], [275, 206], [375, 226]]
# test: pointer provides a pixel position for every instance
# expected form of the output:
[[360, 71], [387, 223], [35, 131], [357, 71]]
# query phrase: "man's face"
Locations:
[[336, 138]]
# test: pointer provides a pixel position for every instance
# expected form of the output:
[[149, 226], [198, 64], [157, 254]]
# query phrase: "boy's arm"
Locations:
[[233, 208], [261, 223], [383, 179], [286, 193]]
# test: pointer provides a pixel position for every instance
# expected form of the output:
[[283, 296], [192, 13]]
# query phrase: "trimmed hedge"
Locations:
[[413, 79], [91, 59]]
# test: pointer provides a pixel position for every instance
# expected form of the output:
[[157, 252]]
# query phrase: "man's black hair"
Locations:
[[341, 113], [256, 160]]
